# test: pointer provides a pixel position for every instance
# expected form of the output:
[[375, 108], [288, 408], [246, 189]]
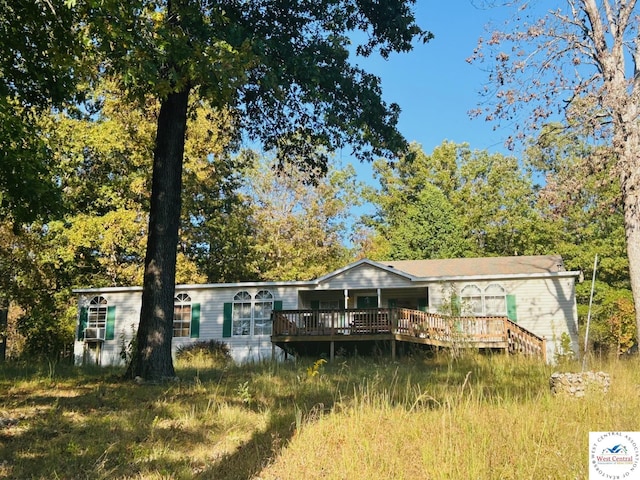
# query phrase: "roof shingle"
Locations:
[[479, 266]]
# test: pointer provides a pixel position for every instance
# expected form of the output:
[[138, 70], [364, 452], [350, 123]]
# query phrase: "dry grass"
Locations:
[[479, 417]]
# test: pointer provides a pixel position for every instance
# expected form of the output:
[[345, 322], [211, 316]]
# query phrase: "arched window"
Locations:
[[252, 315], [182, 315], [96, 318], [262, 308], [471, 297], [242, 313], [495, 301], [490, 302]]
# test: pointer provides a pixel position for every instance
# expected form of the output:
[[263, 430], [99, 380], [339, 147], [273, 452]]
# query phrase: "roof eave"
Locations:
[[501, 276]]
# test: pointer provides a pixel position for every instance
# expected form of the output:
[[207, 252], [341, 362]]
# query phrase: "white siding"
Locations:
[[545, 306], [128, 303], [127, 316], [365, 276]]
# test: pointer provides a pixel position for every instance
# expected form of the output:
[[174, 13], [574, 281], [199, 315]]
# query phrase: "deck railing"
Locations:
[[432, 327], [332, 322]]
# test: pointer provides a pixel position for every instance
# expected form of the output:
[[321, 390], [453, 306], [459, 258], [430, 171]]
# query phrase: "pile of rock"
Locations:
[[578, 384]]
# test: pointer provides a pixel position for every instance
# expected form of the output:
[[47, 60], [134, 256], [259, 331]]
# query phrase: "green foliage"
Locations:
[[425, 226], [243, 392], [580, 204], [46, 339], [456, 202], [612, 329], [564, 354], [281, 62], [216, 229], [39, 65]]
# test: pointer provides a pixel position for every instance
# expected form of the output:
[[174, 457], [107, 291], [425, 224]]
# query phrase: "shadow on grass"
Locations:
[[91, 425], [78, 424], [254, 455]]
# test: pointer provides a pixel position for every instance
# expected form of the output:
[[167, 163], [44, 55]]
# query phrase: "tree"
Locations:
[[298, 223], [39, 70], [582, 209], [216, 232], [460, 203], [282, 64], [414, 220], [101, 157], [582, 59], [496, 199]]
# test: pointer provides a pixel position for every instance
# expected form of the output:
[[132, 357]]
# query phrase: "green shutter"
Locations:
[[277, 305], [109, 332], [195, 320], [422, 304], [227, 320], [82, 324], [512, 312]]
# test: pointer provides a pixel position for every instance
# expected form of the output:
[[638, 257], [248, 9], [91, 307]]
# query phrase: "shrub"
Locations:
[[215, 351]]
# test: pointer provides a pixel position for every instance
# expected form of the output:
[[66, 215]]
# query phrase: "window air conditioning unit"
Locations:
[[94, 334]]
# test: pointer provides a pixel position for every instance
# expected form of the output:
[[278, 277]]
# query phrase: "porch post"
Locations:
[[379, 298], [346, 298], [393, 349], [332, 351]]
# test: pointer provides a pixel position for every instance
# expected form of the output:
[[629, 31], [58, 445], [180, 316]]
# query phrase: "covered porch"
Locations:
[[295, 328]]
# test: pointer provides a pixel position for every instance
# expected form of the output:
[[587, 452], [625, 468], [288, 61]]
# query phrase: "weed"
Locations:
[[315, 369], [244, 394]]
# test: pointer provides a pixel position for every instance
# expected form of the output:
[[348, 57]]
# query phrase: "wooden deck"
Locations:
[[403, 325]]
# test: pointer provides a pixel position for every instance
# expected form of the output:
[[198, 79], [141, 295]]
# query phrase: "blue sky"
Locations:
[[434, 85]]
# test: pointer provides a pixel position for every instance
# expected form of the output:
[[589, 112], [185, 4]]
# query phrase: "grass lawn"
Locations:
[[479, 417]]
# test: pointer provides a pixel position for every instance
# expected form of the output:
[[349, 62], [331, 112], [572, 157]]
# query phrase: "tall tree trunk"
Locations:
[[626, 141], [151, 358], [631, 199]]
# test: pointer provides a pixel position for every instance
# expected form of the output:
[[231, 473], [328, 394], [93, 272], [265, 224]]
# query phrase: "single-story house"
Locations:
[[519, 303]]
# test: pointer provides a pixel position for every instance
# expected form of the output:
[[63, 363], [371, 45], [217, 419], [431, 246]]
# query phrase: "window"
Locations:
[[492, 302], [329, 304], [242, 313], [495, 303], [96, 318], [182, 315], [262, 313], [471, 297], [252, 315]]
